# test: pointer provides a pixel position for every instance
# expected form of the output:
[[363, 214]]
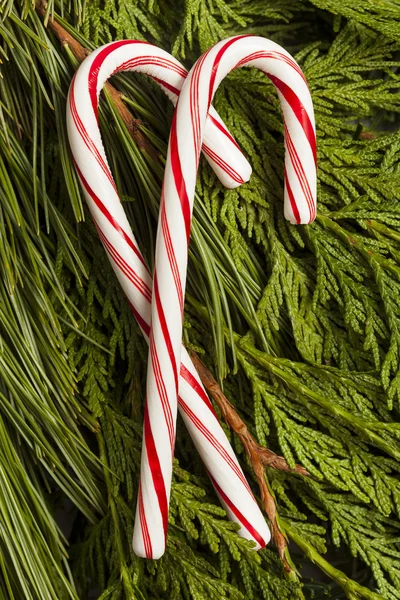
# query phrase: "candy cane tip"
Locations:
[[296, 217], [156, 551], [245, 173], [233, 175], [232, 184], [265, 535], [291, 218]]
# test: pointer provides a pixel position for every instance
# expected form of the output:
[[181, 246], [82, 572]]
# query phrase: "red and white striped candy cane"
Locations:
[[115, 232], [173, 234]]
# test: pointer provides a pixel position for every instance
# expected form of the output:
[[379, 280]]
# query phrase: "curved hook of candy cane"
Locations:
[[296, 104], [219, 147], [131, 270], [173, 233]]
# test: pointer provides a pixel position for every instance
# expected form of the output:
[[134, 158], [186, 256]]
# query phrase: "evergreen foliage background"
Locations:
[[301, 325]]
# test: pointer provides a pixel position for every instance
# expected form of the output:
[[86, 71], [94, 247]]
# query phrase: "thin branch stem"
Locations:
[[80, 53], [352, 589]]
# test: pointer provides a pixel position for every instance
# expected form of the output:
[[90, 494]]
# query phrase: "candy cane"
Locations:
[[169, 277], [115, 232]]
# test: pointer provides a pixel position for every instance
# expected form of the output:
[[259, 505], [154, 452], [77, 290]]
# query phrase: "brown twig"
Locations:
[[80, 53], [259, 456], [367, 135]]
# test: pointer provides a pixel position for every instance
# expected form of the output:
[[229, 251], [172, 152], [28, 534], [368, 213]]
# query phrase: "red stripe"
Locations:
[[168, 86], [292, 199], [178, 177], [194, 108], [125, 268], [171, 254], [156, 473], [164, 327], [296, 105], [122, 265], [217, 446], [299, 171], [263, 54], [241, 518], [143, 522], [158, 61], [194, 104], [142, 323], [93, 149], [108, 215], [298, 166], [197, 387], [225, 131], [217, 60], [162, 393], [223, 165], [96, 65]]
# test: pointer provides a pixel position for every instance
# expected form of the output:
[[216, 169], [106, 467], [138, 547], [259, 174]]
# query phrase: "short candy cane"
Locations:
[[117, 237], [169, 277]]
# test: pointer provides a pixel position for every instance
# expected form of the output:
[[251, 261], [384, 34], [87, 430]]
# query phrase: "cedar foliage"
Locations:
[[301, 325]]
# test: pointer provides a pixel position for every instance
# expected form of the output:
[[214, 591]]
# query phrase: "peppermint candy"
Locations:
[[171, 256]]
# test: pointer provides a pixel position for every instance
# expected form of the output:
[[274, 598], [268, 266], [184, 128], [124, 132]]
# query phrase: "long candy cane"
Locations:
[[129, 266], [173, 234]]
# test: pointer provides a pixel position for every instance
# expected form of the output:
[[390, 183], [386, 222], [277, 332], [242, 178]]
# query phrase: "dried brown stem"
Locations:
[[259, 456], [367, 135], [133, 125]]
